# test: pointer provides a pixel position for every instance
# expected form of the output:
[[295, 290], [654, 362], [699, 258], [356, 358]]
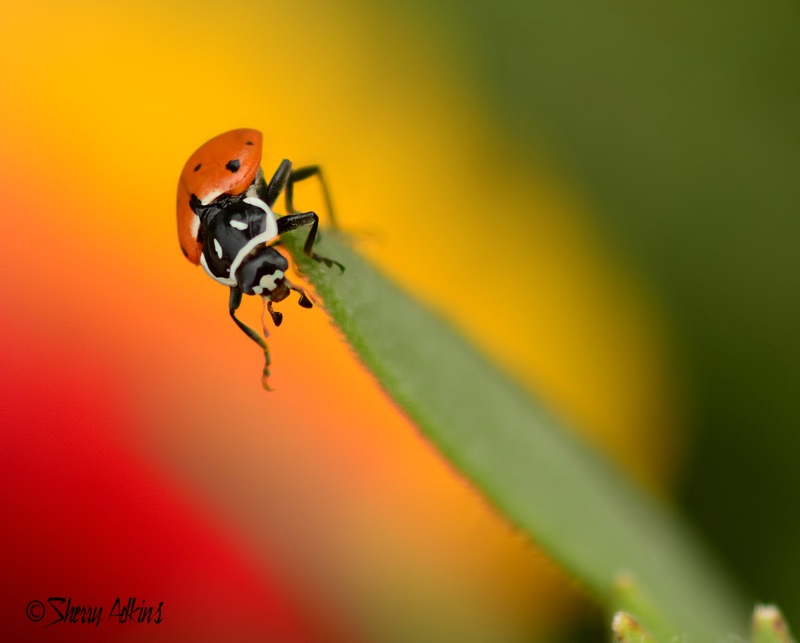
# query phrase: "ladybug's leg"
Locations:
[[286, 177], [277, 317], [298, 220], [300, 174], [278, 182], [233, 304], [304, 300]]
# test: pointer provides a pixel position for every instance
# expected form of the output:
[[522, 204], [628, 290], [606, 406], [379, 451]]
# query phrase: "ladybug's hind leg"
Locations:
[[233, 304], [302, 173], [286, 177]]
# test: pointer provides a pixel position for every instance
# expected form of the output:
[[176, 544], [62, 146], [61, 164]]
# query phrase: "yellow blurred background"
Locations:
[[100, 105]]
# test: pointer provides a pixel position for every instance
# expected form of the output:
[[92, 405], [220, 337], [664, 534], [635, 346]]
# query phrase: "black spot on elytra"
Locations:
[[249, 143], [185, 254], [198, 166], [233, 166]]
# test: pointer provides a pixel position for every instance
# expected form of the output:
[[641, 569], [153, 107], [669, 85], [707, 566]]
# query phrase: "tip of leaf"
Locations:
[[627, 629], [769, 625]]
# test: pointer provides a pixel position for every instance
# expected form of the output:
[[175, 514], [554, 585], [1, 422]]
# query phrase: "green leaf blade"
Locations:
[[543, 479]]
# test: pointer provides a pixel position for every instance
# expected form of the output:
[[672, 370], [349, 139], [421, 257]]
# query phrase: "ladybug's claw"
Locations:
[[277, 317], [328, 262], [304, 301]]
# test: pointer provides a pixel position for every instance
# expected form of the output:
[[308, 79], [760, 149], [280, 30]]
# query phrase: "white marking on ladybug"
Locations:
[[239, 225], [271, 222], [218, 248], [225, 281], [195, 226], [252, 191], [268, 282], [210, 197]]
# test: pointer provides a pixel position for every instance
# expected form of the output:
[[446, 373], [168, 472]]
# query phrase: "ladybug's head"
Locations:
[[263, 272]]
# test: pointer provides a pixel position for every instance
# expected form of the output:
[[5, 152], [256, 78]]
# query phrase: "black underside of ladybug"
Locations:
[[227, 226]]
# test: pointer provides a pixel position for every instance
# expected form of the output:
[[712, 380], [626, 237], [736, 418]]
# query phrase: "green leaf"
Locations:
[[543, 479]]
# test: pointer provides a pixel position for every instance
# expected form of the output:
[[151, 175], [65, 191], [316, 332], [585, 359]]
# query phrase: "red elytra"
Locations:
[[227, 164]]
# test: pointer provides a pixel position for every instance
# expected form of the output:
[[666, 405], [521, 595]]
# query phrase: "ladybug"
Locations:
[[226, 223]]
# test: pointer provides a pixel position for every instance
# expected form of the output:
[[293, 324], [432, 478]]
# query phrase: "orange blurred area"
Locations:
[[120, 342]]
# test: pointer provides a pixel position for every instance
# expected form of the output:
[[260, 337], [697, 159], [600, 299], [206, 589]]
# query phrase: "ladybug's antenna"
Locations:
[[233, 304]]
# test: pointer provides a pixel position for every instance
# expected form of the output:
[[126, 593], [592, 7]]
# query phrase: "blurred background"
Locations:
[[604, 198]]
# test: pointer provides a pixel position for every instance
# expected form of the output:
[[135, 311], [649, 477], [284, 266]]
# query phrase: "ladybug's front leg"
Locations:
[[233, 304], [298, 220]]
